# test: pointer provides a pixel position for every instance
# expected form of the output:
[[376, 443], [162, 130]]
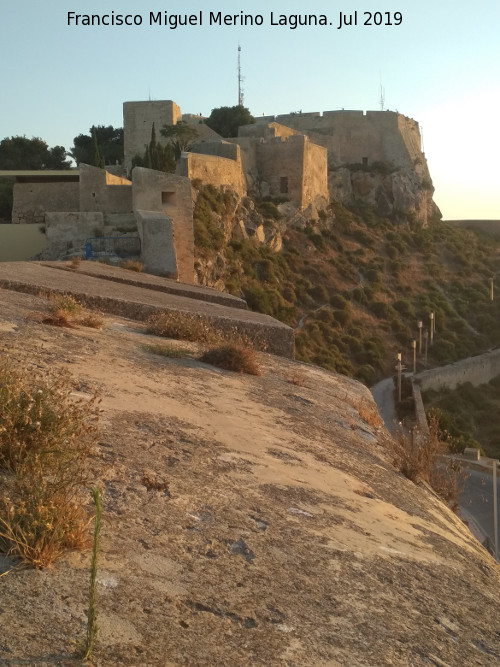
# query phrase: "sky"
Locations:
[[440, 66]]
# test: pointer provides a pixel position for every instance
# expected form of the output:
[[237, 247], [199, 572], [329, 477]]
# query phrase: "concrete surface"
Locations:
[[140, 303]]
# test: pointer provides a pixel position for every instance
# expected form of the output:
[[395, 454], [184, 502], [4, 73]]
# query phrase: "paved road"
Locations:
[[477, 499], [383, 394]]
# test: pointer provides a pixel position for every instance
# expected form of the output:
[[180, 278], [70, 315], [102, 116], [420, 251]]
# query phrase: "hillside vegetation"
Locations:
[[353, 285], [469, 415]]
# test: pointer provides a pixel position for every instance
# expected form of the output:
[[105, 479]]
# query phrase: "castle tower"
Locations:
[[138, 119]]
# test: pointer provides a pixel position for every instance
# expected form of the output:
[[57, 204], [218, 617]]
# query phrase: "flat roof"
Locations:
[[41, 175]]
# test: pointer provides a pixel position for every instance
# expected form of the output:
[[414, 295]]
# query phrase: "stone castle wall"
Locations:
[[32, 200], [293, 168], [352, 136], [103, 192], [212, 169], [170, 194]]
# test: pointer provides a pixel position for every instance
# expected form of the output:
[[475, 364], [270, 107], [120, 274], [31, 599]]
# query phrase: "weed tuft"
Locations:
[[132, 265], [421, 457], [168, 351], [181, 326], [233, 357]]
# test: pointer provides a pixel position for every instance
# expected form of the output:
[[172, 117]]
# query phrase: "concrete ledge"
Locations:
[[149, 281], [138, 303]]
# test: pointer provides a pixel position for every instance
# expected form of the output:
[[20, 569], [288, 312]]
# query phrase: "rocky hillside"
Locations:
[[246, 520], [353, 283]]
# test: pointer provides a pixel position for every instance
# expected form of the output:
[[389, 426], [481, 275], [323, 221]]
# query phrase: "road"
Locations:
[[383, 395], [477, 499]]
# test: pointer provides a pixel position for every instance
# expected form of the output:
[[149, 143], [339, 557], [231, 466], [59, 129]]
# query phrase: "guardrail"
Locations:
[[108, 246]]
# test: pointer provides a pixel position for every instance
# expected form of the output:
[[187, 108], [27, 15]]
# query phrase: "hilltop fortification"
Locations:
[[374, 157]]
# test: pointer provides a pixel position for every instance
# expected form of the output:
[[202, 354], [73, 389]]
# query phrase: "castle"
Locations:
[[304, 158]]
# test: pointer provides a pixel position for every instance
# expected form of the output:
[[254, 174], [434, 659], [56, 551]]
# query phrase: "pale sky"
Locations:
[[440, 66]]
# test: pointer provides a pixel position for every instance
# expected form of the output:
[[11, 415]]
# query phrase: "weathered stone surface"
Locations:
[[246, 521], [147, 281], [67, 232], [157, 243], [170, 194], [139, 303]]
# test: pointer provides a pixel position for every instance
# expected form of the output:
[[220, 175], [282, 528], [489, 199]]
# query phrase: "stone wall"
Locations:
[[170, 194], [66, 233], [138, 119], [293, 168], [265, 130], [157, 243], [354, 136], [224, 149], [218, 171], [205, 133], [32, 200], [315, 184], [281, 166], [103, 192], [476, 370]]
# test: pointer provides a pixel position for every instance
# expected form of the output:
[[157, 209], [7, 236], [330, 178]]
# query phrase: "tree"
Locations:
[[23, 153], [226, 120], [97, 160], [181, 136], [156, 156], [109, 141]]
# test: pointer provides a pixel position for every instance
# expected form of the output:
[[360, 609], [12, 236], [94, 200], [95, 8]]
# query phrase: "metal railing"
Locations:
[[109, 246]]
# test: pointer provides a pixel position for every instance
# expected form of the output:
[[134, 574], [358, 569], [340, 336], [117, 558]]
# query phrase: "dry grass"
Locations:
[[66, 311], [91, 321], [168, 351], [422, 458], [45, 440], [181, 326], [74, 262], [233, 357], [132, 265]]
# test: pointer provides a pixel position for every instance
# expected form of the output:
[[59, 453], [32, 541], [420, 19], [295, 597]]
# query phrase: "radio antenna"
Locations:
[[240, 79]]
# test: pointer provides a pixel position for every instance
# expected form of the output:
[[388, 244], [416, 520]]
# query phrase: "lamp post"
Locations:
[[419, 324], [426, 336], [399, 366], [491, 289], [432, 327], [414, 346]]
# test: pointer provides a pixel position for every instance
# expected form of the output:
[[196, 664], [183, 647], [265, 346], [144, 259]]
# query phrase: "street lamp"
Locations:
[[432, 327], [419, 324], [414, 346], [399, 367]]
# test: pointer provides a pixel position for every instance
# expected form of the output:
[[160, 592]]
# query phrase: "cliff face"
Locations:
[[390, 194], [246, 520], [374, 157]]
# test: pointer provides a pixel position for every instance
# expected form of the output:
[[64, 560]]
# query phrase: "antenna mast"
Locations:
[[240, 79], [382, 97]]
